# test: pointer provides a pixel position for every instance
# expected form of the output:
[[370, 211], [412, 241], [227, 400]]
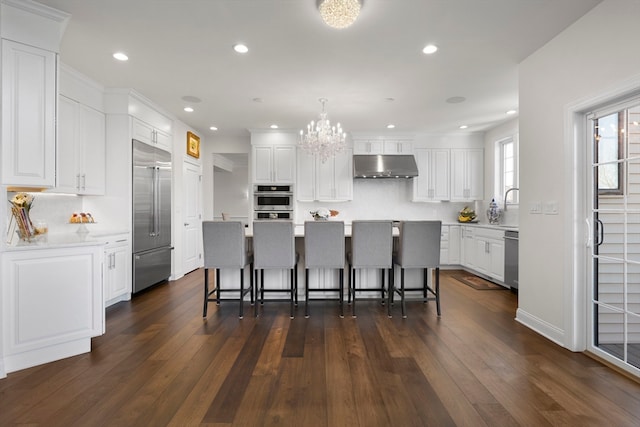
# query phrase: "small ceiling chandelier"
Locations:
[[339, 13], [321, 138]]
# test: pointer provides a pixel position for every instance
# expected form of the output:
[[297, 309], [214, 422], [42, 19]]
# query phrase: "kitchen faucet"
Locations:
[[506, 193]]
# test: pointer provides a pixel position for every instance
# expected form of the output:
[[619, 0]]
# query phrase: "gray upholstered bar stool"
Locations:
[[224, 244], [418, 247], [371, 247], [274, 248], [324, 249]]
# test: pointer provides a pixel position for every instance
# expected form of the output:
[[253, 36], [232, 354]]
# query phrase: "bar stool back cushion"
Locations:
[[273, 245], [324, 244], [371, 244], [419, 244], [224, 244]]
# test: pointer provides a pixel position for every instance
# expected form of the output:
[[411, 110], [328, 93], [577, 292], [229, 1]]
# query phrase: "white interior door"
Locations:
[[614, 133], [192, 217]]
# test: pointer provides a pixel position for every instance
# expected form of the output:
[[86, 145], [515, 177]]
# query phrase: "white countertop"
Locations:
[[62, 240]]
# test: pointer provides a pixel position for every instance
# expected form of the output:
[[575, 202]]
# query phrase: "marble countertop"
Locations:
[[62, 240]]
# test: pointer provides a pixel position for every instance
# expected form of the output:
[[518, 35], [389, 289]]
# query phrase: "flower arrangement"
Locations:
[[21, 204], [323, 213]]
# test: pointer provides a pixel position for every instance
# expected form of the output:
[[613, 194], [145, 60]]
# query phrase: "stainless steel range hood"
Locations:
[[384, 166]]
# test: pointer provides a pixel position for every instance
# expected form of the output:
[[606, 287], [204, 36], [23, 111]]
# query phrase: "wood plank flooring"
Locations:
[[161, 364]]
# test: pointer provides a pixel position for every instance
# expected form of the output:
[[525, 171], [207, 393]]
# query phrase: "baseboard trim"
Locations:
[[545, 329]]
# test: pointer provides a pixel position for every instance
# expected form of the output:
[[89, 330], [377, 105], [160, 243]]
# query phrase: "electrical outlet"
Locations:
[[535, 208], [550, 207]]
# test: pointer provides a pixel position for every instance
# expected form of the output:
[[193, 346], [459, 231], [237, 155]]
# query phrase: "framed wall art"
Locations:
[[193, 145]]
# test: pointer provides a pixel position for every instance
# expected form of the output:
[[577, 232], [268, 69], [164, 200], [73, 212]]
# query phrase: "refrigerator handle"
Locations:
[[154, 192], [156, 202]]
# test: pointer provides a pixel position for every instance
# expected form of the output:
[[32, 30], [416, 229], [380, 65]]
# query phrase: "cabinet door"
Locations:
[[397, 147], [28, 115], [163, 140], [116, 268], [91, 145], [284, 162], [432, 182], [467, 176], [440, 176], [496, 266], [262, 164], [368, 147], [305, 184], [468, 248], [142, 132], [68, 176], [325, 180], [343, 170], [454, 244]]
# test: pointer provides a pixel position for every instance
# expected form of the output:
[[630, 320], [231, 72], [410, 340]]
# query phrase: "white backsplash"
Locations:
[[55, 210], [384, 199]]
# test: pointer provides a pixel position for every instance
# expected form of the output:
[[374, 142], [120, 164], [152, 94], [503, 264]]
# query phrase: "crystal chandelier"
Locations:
[[321, 138], [339, 13]]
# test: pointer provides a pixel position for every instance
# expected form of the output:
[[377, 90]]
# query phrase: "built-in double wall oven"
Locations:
[[273, 201]]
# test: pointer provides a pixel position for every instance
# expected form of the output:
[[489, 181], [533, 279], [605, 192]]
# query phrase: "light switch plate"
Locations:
[[535, 208], [550, 207]]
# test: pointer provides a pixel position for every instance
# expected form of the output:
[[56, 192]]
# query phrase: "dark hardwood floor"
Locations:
[[161, 364]]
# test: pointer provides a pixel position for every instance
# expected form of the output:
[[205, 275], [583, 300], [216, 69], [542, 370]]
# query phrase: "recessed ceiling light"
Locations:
[[274, 126], [391, 126], [510, 112], [191, 99], [429, 49], [213, 128], [456, 99], [240, 48], [464, 127], [120, 56], [188, 109]]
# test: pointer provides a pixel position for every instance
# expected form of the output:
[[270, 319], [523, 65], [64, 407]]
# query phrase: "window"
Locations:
[[609, 135], [507, 169]]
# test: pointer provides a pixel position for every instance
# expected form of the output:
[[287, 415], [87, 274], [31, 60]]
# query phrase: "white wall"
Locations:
[[589, 59]]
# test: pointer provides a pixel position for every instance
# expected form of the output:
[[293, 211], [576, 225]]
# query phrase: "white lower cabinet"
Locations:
[[483, 251], [117, 271], [52, 304]]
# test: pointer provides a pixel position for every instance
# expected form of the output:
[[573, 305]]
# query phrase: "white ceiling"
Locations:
[[183, 48]]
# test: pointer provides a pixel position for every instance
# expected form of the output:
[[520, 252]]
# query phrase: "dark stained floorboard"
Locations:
[[161, 364]]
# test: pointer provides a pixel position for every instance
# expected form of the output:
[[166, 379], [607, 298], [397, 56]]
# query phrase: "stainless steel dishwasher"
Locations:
[[511, 259]]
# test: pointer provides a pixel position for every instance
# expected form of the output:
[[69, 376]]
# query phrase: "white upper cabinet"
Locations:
[[433, 180], [382, 146], [31, 34], [467, 176], [274, 164], [150, 135], [331, 181], [81, 148], [28, 115]]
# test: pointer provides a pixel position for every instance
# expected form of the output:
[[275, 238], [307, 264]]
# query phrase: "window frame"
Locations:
[[500, 168]]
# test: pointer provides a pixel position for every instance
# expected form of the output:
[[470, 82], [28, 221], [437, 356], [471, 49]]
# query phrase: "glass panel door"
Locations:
[[615, 255]]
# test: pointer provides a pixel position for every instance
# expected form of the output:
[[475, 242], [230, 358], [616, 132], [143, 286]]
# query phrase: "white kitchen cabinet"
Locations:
[[483, 251], [28, 115], [467, 174], [454, 245], [52, 303], [150, 135], [433, 180], [117, 270], [382, 146], [444, 245], [81, 148], [274, 164], [331, 181], [397, 147], [368, 147]]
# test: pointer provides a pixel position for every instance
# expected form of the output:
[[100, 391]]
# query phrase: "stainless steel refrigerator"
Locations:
[[151, 215]]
